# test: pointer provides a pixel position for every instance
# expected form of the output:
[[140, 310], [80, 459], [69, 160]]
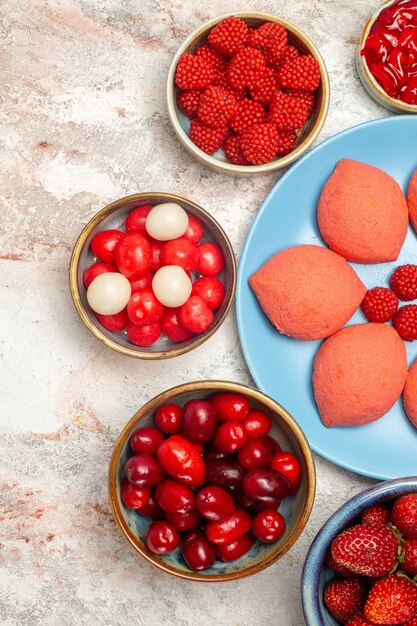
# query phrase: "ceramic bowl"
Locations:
[[367, 79], [114, 216], [315, 573], [306, 136], [295, 509]]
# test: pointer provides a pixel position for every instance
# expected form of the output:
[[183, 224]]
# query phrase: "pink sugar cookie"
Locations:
[[412, 199], [410, 394]]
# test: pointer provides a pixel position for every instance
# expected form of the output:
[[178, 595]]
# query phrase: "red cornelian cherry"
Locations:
[[182, 461], [229, 528], [236, 549], [195, 230], [174, 497], [151, 509], [230, 406], [257, 452], [198, 552], [162, 537], [199, 421], [211, 290], [135, 221], [139, 284], [264, 483], [172, 327], [146, 440], [230, 436], [143, 308], [180, 252], [268, 526], [145, 335], [168, 418], [104, 243], [195, 316], [226, 473], [185, 522], [95, 270], [257, 423], [116, 322], [210, 259], [211, 453], [133, 255], [288, 465], [214, 503], [133, 496], [246, 502], [144, 470]]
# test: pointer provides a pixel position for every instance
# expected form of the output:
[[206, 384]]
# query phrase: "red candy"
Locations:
[[145, 282], [96, 269], [195, 230], [135, 221], [195, 316], [144, 336], [116, 322], [210, 259], [180, 252], [104, 243], [133, 255], [172, 328], [211, 290], [143, 308]]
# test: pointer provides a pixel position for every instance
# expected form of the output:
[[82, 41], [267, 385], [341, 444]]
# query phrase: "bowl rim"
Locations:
[[367, 76], [336, 522], [213, 386], [157, 197], [231, 168]]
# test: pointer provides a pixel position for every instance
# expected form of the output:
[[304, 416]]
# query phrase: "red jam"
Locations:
[[391, 50]]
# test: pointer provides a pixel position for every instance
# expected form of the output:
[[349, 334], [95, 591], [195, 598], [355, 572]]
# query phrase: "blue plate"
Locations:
[[282, 367]]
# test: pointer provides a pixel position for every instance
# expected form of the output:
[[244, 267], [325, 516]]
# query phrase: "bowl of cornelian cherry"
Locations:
[[247, 93], [153, 275], [211, 481]]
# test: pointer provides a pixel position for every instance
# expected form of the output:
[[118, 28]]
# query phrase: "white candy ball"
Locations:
[[109, 293], [166, 221], [172, 286]]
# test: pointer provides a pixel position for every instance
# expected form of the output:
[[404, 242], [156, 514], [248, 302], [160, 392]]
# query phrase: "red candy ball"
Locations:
[[95, 270], [211, 290], [116, 322], [172, 327], [144, 336], [133, 256], [139, 284], [180, 252], [135, 221], [195, 316], [210, 259], [143, 308], [195, 230], [104, 243]]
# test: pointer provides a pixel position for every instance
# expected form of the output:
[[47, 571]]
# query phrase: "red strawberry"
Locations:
[[213, 57], [404, 282], [405, 322], [229, 35], [339, 569], [207, 139], [380, 304], [404, 514], [412, 622], [264, 86], [287, 113], [217, 106], [187, 102], [359, 620], [247, 114], [271, 38], [302, 72], [260, 143], [193, 72], [287, 139], [366, 549], [376, 514], [392, 601], [233, 150], [245, 68], [409, 564], [305, 96], [345, 597]]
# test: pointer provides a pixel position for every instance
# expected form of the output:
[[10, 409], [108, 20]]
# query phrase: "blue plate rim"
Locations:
[[390, 119]]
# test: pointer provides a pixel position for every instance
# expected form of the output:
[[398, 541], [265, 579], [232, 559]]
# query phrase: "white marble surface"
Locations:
[[83, 122]]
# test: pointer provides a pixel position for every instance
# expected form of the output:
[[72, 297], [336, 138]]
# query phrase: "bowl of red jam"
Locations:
[[387, 56], [211, 481]]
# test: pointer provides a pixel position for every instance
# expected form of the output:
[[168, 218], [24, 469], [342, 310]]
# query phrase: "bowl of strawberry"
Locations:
[[153, 275], [211, 481], [361, 569], [247, 93]]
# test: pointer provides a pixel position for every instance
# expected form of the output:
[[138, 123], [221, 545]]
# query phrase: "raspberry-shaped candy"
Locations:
[[380, 304], [272, 39], [287, 113], [260, 143], [304, 96], [193, 72], [213, 57], [188, 101], [404, 282], [233, 150], [229, 35], [264, 87], [287, 139], [207, 139], [245, 68], [300, 73], [217, 106], [405, 322], [247, 114]]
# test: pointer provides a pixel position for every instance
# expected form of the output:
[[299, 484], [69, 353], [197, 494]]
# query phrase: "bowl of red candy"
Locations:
[[387, 56], [247, 93], [361, 569], [153, 275], [211, 481]]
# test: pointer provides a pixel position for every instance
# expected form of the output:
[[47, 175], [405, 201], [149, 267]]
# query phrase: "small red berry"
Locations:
[[260, 143], [193, 72], [215, 58], [376, 514], [264, 86], [404, 282], [379, 304], [229, 35], [217, 106], [409, 564], [271, 38], [233, 150], [303, 72], [245, 68], [286, 112], [188, 102], [405, 322], [290, 53], [209, 140], [345, 597], [287, 140], [404, 515], [304, 96], [247, 114]]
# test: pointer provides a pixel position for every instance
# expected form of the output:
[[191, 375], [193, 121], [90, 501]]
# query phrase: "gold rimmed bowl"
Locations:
[[306, 135], [295, 509], [114, 216], [368, 80]]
